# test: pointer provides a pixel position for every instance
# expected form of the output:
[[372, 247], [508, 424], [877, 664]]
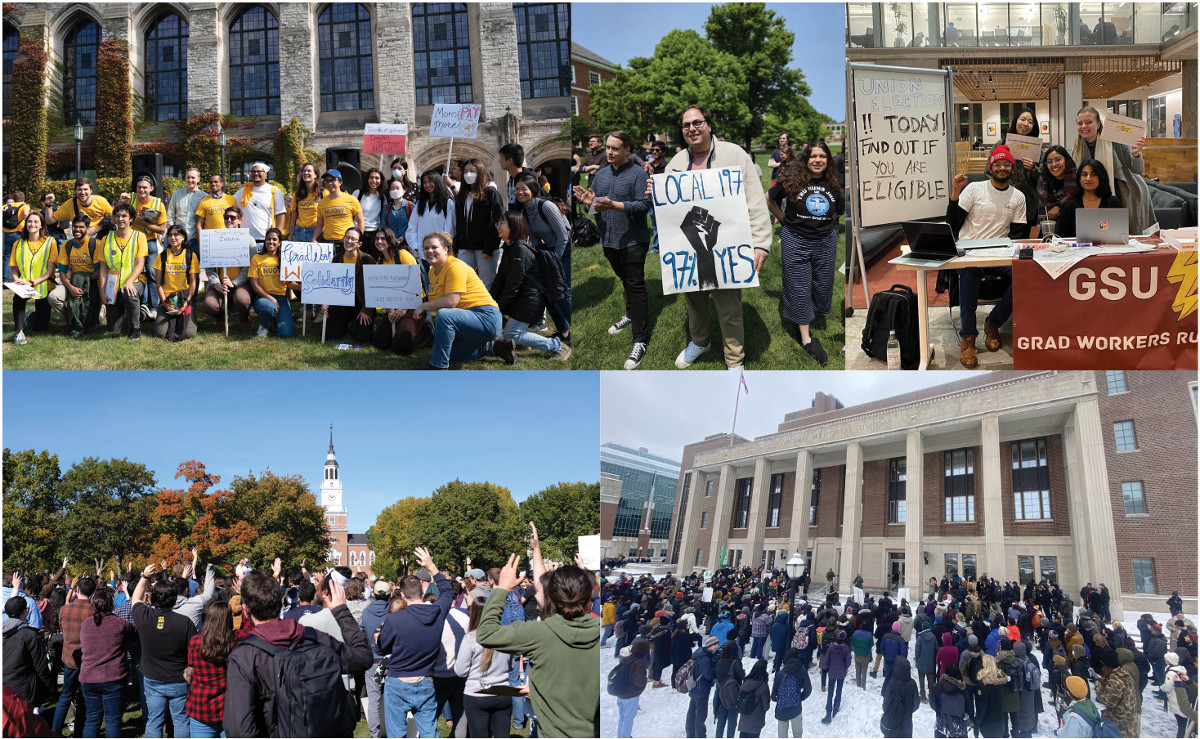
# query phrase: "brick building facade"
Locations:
[[587, 68], [1073, 476]]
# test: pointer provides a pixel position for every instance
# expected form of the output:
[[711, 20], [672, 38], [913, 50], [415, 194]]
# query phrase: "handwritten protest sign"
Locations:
[[293, 254], [704, 230], [327, 284], [1122, 130], [392, 286], [1024, 147], [589, 550], [384, 138], [225, 247], [458, 121]]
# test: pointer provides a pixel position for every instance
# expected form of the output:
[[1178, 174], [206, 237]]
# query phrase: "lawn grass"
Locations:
[[598, 301], [210, 350]]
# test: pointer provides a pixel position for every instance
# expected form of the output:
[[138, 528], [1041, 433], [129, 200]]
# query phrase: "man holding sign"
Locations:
[[227, 282], [121, 273]]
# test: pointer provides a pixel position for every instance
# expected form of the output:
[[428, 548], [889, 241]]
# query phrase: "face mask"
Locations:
[[397, 194], [470, 177], [397, 174]]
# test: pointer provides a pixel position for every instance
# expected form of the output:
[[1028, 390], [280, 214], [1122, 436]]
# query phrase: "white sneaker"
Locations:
[[19, 338], [690, 354], [620, 325], [635, 356], [737, 368], [263, 332]]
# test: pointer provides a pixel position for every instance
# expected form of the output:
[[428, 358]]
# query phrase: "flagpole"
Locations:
[[733, 429]]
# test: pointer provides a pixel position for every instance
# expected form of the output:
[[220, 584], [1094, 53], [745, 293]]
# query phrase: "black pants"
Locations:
[[1181, 722], [629, 264], [450, 689], [343, 318], [41, 314], [697, 714], [125, 313], [487, 715]]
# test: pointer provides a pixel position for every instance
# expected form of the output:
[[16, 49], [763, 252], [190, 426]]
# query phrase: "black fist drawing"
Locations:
[[701, 228]]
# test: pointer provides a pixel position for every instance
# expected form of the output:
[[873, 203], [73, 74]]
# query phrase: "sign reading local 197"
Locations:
[[704, 230]]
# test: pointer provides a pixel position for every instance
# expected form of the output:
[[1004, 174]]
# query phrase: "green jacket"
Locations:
[[564, 684]]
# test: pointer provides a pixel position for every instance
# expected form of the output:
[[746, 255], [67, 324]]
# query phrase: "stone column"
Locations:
[[1187, 116], [497, 55], [208, 68], [801, 501], [851, 523], [720, 522], [914, 502], [757, 521], [994, 561], [1098, 513], [690, 521], [395, 83], [1077, 505], [298, 68]]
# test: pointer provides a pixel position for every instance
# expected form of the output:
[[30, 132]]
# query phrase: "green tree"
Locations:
[[390, 537], [803, 123], [563, 512], [468, 519], [31, 510], [271, 516], [760, 43], [108, 506], [578, 129]]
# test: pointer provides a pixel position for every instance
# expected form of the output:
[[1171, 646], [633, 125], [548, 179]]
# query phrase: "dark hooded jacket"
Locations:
[[900, 701], [26, 672], [951, 701], [795, 668], [754, 721]]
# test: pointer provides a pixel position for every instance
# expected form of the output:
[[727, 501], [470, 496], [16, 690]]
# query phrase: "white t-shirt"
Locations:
[[258, 215], [370, 208], [990, 211]]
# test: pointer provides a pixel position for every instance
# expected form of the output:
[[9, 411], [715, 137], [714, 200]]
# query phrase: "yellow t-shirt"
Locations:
[[22, 211], [337, 215], [212, 210], [153, 204], [34, 260], [95, 210], [121, 255], [77, 256], [457, 277], [175, 272], [400, 256], [265, 268], [306, 209]]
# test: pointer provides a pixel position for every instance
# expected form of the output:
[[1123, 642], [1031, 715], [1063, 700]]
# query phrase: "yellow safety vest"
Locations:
[[35, 263], [118, 259]]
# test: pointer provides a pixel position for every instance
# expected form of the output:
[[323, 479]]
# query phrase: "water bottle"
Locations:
[[893, 351]]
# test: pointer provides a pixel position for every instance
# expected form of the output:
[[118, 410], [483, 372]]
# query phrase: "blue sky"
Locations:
[[619, 31], [395, 433]]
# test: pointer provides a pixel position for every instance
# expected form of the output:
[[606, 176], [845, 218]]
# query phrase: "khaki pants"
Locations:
[[729, 315]]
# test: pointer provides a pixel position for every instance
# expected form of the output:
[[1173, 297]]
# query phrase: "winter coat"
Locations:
[[951, 703], [964, 663], [704, 672], [906, 628], [947, 654], [779, 633], [682, 645], [900, 701], [1073, 638], [1178, 700], [513, 289], [795, 668], [1029, 703], [1155, 647], [990, 716], [1119, 695], [925, 653], [837, 660], [892, 646], [862, 641], [992, 644], [760, 625], [754, 721], [637, 675], [26, 671], [660, 637], [721, 630], [1127, 664], [475, 227], [1005, 660]]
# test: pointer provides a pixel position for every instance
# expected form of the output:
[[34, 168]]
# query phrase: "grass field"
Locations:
[[598, 301]]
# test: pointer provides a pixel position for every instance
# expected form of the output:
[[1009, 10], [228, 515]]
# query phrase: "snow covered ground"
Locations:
[[662, 711]]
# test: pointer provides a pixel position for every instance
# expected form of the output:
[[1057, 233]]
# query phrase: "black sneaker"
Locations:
[[620, 325], [136, 334], [504, 349], [636, 355], [817, 352]]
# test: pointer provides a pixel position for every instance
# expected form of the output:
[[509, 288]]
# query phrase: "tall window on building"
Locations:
[[593, 78], [166, 69], [1031, 480], [968, 567], [708, 488], [441, 53], [1009, 111], [897, 475], [960, 485], [741, 510], [1024, 568], [1143, 576], [1048, 568], [814, 499], [79, 73], [254, 63], [704, 519], [347, 76], [1123, 431], [544, 49], [11, 37], [951, 565], [774, 501], [699, 558], [1135, 499], [1116, 381]]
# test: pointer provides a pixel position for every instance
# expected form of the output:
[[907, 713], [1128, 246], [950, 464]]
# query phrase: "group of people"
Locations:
[[139, 260], [806, 197], [1096, 173], [970, 650], [261, 654]]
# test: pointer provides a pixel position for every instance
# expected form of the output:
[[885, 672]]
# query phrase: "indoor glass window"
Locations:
[[1024, 568], [1143, 576], [1049, 568]]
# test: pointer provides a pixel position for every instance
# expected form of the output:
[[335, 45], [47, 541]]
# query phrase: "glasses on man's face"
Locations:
[[693, 124]]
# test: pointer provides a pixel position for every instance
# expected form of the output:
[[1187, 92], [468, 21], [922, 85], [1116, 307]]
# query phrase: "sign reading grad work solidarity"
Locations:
[[294, 254], [1124, 311], [459, 121], [385, 138], [704, 230], [327, 284], [392, 286], [225, 247]]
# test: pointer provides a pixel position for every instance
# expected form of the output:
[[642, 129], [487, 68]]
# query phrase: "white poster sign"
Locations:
[[708, 594], [589, 546], [327, 284], [393, 286], [459, 121], [858, 595], [225, 247], [293, 254], [1122, 130], [704, 230], [902, 593], [1024, 147]]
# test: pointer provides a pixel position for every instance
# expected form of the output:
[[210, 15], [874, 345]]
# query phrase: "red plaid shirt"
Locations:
[[71, 618], [206, 691]]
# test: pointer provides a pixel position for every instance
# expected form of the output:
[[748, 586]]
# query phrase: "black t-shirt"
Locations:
[[814, 212], [164, 636], [776, 155]]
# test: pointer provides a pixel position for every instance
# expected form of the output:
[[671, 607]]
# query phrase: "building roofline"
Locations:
[[584, 54]]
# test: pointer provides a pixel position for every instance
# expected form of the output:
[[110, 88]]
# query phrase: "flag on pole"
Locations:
[[722, 555], [743, 380]]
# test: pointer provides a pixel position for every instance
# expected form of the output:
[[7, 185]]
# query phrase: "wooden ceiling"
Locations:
[[980, 80]]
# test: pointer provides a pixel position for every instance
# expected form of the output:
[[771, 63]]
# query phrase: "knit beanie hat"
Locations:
[[841, 636], [1006, 643], [972, 641], [1172, 658], [895, 626], [711, 641], [1078, 651], [1109, 657], [1059, 660], [1077, 687], [1001, 152]]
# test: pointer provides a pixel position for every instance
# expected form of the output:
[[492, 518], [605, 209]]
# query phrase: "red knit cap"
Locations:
[[1001, 152]]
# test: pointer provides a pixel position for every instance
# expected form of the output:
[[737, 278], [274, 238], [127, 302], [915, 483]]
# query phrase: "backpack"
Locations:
[[788, 693], [11, 216], [310, 697], [973, 666], [893, 310], [513, 610], [729, 692], [820, 633], [618, 679], [951, 719], [800, 640], [1015, 677], [1103, 727], [746, 702], [684, 680], [584, 233], [1033, 676], [553, 282]]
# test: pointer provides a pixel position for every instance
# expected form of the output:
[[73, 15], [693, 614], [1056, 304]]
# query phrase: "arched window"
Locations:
[[11, 37], [254, 63], [441, 53], [353, 559], [166, 69], [347, 79], [241, 173], [79, 79], [372, 557], [543, 48]]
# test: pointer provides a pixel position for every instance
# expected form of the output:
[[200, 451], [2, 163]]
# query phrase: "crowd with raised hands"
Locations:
[[261, 653], [986, 657]]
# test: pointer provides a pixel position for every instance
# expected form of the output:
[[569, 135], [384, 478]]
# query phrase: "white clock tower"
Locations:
[[331, 499]]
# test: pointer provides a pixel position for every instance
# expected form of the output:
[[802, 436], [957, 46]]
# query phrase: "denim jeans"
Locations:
[[161, 697], [205, 729], [608, 630], [374, 696], [518, 702], [464, 335], [400, 697], [697, 715], [10, 240], [968, 299], [69, 692], [150, 294], [518, 332], [285, 325], [756, 646], [628, 708], [832, 703], [887, 673], [303, 234], [560, 312], [103, 701]]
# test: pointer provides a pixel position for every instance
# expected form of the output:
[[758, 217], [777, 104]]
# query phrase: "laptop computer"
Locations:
[[931, 241], [1102, 225]]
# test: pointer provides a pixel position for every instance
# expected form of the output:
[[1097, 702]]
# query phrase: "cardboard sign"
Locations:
[[704, 230], [384, 138], [294, 254], [859, 596], [459, 121], [392, 286], [1122, 130], [327, 284], [225, 247]]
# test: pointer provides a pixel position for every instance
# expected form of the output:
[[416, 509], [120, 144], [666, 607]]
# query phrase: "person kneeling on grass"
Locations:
[[33, 260], [519, 293], [270, 294], [178, 272], [397, 329], [467, 321], [123, 253], [78, 295], [358, 319]]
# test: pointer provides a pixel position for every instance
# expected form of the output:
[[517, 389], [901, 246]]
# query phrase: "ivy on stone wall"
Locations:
[[290, 152], [26, 127], [114, 110]]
